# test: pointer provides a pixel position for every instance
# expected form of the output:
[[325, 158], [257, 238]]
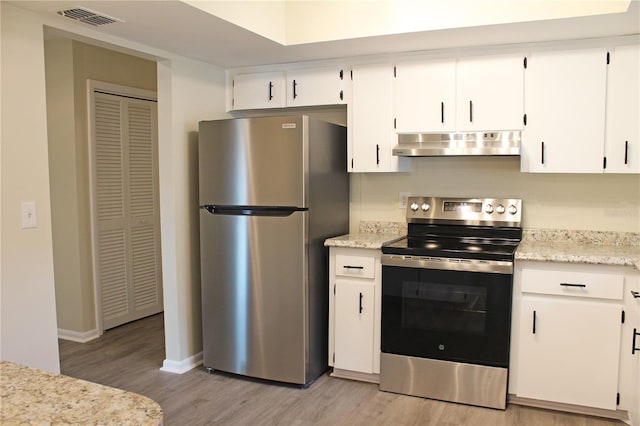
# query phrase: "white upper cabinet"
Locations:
[[315, 86], [259, 90], [565, 112], [425, 94], [370, 118], [300, 87], [490, 93], [473, 94], [622, 142]]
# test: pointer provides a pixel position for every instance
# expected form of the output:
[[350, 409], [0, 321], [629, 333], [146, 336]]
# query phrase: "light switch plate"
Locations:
[[29, 215]]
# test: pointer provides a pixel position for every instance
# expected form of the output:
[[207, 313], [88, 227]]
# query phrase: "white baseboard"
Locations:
[[180, 367], [77, 336]]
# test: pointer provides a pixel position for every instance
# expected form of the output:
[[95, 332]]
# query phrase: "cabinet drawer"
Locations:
[[355, 266], [570, 283]]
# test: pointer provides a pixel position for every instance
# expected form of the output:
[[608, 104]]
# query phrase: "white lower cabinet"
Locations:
[[354, 312], [631, 347], [568, 337], [354, 319], [569, 351]]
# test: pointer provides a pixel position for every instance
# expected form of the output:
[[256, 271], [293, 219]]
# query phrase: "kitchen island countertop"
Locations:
[[33, 396]]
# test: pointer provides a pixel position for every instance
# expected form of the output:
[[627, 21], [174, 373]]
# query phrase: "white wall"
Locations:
[[188, 91], [192, 92], [28, 332], [314, 21], [566, 201]]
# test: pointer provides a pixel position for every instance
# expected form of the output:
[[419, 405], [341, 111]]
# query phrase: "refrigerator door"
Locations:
[[253, 161], [254, 280]]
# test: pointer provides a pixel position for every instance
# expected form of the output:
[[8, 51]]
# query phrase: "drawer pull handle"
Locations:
[[353, 267], [573, 285], [360, 308], [633, 343], [635, 294], [534, 322]]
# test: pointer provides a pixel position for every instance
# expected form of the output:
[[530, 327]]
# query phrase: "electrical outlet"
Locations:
[[402, 200]]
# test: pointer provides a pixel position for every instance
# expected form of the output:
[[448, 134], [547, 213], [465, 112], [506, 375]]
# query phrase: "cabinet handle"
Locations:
[[360, 305], [635, 294], [542, 152], [353, 267], [470, 111], [377, 154], [270, 90], [295, 95], [633, 343], [626, 152], [534, 322], [573, 285], [442, 112]]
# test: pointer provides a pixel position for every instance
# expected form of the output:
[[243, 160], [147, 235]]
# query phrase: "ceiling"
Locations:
[[189, 31]]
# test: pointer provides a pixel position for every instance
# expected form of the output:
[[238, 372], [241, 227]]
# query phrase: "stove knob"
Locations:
[[512, 209], [488, 209], [500, 209], [425, 207], [414, 207]]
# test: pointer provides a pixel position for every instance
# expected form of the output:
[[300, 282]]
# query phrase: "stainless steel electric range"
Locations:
[[446, 300]]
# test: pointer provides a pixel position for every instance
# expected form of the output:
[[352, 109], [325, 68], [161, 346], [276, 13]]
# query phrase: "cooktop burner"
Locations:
[[463, 248]]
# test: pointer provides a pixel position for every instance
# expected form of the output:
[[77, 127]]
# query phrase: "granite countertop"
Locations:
[[372, 235], [545, 245], [588, 247], [32, 396]]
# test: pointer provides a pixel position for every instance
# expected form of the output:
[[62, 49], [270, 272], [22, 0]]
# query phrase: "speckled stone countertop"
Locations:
[[588, 247], [545, 245], [372, 235], [33, 397]]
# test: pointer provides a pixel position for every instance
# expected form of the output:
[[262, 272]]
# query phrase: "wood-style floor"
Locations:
[[129, 358]]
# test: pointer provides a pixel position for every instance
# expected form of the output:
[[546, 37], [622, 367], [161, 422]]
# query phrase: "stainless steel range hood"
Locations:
[[457, 144]]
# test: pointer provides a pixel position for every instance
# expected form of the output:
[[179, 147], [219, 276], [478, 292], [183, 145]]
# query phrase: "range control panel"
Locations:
[[472, 211]]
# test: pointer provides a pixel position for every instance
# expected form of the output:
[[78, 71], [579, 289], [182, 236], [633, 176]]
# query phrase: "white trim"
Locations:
[[180, 367], [621, 415], [78, 336]]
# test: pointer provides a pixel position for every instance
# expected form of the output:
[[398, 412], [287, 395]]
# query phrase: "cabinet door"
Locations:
[[425, 97], [370, 117], [259, 90], [490, 93], [569, 351], [565, 110], [354, 323], [634, 343], [622, 143], [317, 86]]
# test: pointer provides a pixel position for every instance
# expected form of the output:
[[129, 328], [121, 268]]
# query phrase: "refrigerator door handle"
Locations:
[[277, 211]]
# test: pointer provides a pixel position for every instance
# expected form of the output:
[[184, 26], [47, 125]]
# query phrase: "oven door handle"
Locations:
[[448, 264]]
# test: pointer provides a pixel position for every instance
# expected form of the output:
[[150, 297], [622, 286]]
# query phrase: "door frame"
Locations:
[[116, 90]]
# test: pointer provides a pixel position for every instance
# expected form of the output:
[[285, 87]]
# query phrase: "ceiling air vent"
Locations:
[[88, 16]]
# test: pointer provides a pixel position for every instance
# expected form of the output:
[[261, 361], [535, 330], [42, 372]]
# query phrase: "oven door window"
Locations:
[[447, 315]]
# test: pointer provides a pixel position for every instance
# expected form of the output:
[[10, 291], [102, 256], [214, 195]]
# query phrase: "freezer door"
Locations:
[[253, 161], [254, 282]]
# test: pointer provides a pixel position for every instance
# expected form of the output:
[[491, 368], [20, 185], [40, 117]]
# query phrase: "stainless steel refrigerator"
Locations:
[[272, 189]]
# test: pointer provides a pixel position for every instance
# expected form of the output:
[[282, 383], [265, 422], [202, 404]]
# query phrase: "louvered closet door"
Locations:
[[127, 258]]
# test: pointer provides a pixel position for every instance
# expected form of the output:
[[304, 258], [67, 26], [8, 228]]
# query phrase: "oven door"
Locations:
[[447, 310]]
